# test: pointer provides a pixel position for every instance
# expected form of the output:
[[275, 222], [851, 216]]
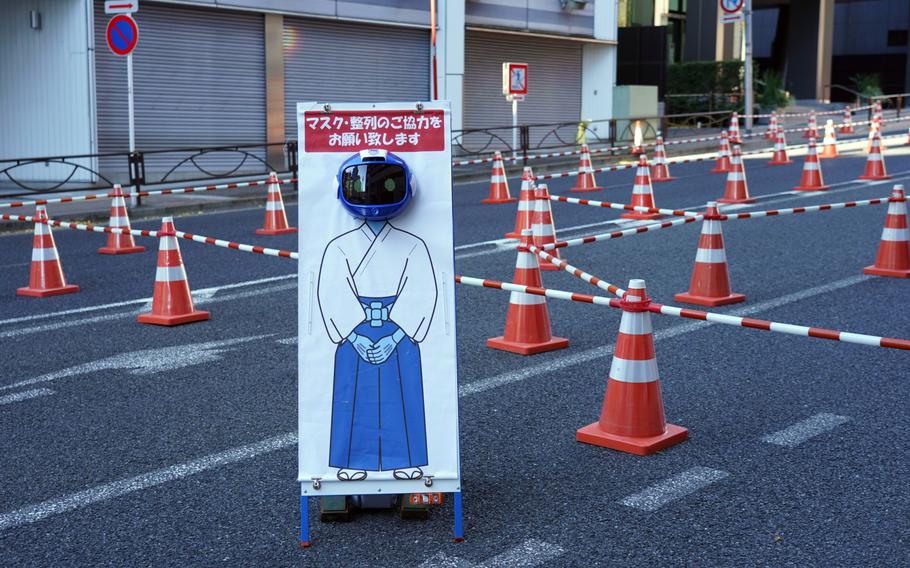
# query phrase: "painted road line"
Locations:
[[287, 341], [146, 361], [674, 488], [33, 513], [804, 430], [25, 395], [531, 552], [107, 491]]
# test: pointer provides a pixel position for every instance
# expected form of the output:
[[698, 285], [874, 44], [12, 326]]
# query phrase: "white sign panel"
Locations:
[[121, 6], [377, 384], [731, 11]]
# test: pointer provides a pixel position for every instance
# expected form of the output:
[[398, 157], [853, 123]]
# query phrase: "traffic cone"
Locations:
[[499, 183], [632, 416], [46, 276], [733, 130], [172, 303], [722, 165], [659, 169], [710, 284], [908, 136], [771, 133], [642, 193], [637, 139], [893, 257], [543, 229], [846, 127], [812, 128], [528, 321], [525, 204], [829, 144], [875, 162], [585, 179], [276, 221], [779, 157], [119, 243], [736, 190], [811, 179]]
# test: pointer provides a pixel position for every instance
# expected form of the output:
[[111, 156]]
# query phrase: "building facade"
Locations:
[[227, 72]]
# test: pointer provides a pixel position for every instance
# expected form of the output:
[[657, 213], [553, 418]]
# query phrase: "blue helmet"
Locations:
[[374, 185]]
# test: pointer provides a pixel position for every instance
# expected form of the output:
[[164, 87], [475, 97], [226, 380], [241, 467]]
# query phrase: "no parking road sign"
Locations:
[[122, 34]]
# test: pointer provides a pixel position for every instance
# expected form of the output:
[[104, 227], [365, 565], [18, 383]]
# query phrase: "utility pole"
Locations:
[[747, 33]]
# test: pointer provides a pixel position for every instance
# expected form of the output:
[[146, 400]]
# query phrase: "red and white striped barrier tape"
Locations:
[[237, 246], [736, 321], [797, 210], [589, 278], [623, 206], [89, 227], [803, 114], [623, 233]]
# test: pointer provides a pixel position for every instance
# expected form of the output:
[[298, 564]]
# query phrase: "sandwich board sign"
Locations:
[[377, 376]]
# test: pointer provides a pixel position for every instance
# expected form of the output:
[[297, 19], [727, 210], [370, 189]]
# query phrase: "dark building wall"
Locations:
[[802, 48], [701, 30]]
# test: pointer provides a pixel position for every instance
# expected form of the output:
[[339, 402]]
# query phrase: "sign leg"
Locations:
[[304, 521], [459, 530]]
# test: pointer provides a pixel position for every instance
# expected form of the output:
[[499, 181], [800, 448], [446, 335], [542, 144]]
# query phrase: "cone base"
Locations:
[[527, 348], [154, 319], [720, 171], [497, 200], [640, 216], [592, 434], [45, 292], [779, 162], [876, 271], [585, 189], [121, 250], [746, 200], [265, 231], [513, 235], [846, 131], [548, 266], [711, 301], [827, 157], [873, 178], [809, 188], [671, 178]]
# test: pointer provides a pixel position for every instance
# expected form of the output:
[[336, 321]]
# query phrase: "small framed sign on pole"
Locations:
[[515, 88]]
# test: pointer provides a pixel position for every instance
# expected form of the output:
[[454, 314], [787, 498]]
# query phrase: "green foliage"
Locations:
[[868, 84], [770, 90], [712, 85]]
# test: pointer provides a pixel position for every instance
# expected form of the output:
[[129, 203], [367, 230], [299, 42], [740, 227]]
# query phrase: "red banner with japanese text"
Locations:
[[393, 130]]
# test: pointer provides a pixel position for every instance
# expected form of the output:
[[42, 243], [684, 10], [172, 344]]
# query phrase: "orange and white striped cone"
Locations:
[[119, 243], [733, 130], [812, 128], [722, 165], [276, 221], [811, 179], [846, 126], [543, 228], [771, 133], [499, 183], [528, 321], [642, 192], [638, 139], [710, 284], [585, 180], [659, 169], [829, 143], [525, 203], [875, 161], [779, 158], [908, 136], [893, 257], [736, 190], [46, 275], [172, 303], [632, 416]]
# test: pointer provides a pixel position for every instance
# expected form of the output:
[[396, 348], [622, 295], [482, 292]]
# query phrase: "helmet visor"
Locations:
[[374, 184]]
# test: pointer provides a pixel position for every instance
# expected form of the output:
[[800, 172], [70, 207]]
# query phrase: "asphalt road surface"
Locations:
[[131, 445]]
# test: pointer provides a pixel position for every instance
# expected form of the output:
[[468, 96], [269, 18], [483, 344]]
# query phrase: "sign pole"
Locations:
[[514, 129], [747, 32], [134, 199]]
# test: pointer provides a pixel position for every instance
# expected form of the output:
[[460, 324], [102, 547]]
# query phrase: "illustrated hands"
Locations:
[[362, 345], [383, 348]]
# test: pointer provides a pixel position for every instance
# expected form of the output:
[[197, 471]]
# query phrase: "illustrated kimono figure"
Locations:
[[377, 294]]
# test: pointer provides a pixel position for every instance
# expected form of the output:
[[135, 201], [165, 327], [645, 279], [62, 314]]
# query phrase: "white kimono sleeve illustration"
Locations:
[[337, 294], [413, 310]]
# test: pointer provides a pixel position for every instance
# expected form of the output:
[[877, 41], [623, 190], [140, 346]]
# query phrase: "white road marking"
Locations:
[[146, 361], [809, 428], [531, 552], [287, 341], [25, 395], [674, 488], [104, 492], [33, 513]]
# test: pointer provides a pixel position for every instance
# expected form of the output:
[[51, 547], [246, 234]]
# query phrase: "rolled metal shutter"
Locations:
[[199, 80], [554, 83], [346, 62]]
